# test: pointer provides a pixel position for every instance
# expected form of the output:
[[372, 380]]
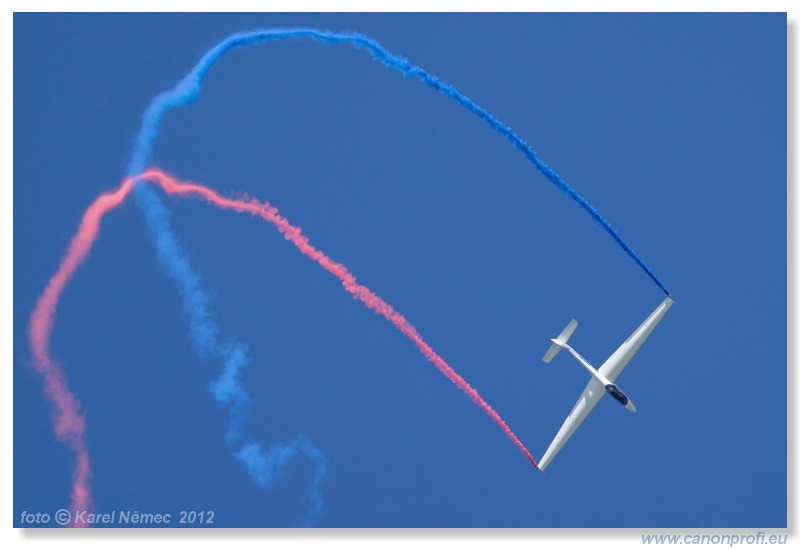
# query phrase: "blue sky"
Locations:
[[672, 126]]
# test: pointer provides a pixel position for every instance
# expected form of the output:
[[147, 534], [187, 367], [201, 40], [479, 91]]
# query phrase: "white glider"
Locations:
[[602, 379]]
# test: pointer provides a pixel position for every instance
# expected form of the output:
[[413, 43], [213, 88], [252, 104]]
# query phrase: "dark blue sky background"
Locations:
[[672, 126]]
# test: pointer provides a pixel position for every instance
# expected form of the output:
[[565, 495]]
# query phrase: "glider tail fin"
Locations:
[[562, 339]]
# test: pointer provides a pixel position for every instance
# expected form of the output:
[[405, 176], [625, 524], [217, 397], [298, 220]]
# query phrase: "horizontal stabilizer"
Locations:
[[562, 339]]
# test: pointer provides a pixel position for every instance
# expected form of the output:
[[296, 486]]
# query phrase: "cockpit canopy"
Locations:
[[617, 393]]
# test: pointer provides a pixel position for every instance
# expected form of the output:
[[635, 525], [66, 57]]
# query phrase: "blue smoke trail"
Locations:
[[264, 466], [188, 89]]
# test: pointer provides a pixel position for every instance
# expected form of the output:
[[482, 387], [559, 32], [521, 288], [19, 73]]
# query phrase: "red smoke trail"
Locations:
[[369, 298], [68, 419]]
